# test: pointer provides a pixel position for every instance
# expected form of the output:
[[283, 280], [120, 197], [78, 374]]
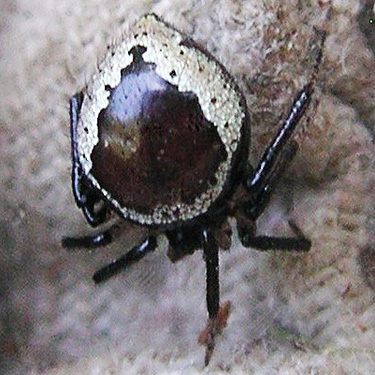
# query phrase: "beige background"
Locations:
[[292, 314]]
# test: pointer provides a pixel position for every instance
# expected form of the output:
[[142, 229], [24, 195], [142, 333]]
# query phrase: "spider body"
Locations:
[[161, 137]]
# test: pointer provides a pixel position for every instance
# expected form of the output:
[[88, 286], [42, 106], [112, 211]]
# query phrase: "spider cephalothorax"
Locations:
[[160, 136]]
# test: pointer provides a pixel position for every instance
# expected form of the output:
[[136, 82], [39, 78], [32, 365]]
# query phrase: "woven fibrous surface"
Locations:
[[292, 313]]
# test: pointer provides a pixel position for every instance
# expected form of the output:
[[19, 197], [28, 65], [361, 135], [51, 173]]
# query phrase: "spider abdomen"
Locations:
[[155, 146], [162, 127]]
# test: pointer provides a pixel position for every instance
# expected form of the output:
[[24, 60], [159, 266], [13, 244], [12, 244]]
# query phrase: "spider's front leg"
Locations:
[[85, 195]]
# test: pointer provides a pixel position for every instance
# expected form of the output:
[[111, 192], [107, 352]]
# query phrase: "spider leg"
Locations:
[[278, 155], [261, 182], [264, 243], [258, 202], [256, 205], [94, 217], [211, 257], [85, 195], [90, 242], [217, 315], [134, 255]]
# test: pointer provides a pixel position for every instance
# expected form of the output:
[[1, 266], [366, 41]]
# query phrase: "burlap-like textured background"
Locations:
[[292, 314]]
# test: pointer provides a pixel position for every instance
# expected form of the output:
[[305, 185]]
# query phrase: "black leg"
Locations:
[[264, 243], [272, 155], [217, 315], [75, 108], [85, 196], [211, 257], [277, 157], [120, 264], [256, 204], [94, 216], [90, 242]]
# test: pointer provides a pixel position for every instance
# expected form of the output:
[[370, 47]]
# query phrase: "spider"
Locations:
[[161, 137]]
